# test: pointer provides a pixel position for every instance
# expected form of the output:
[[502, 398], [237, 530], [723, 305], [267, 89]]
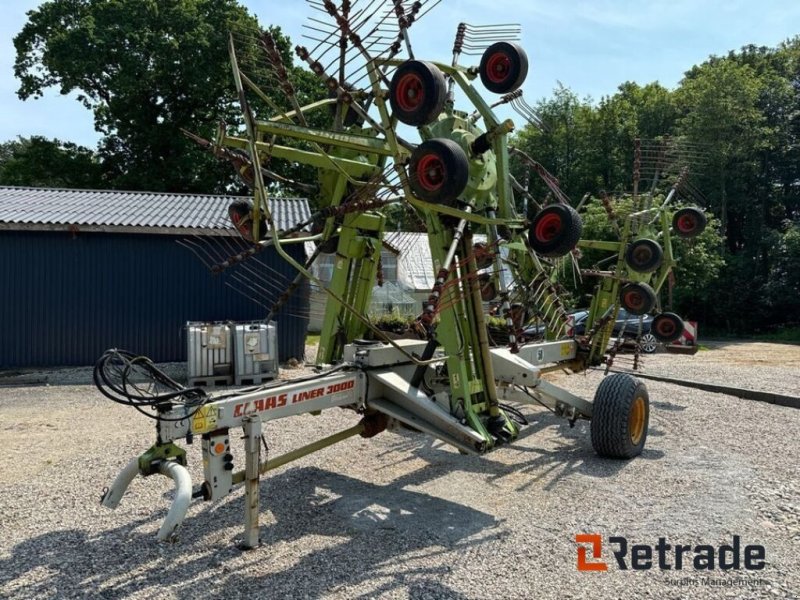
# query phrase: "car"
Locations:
[[626, 323]]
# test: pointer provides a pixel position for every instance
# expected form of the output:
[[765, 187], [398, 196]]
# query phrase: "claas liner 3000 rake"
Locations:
[[451, 384]]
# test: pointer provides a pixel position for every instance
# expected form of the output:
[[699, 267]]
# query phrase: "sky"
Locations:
[[590, 46]]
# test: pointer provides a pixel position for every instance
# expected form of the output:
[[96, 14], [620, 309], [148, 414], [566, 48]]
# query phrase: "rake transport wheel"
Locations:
[[417, 93], [667, 327], [637, 298], [689, 222], [503, 68], [620, 416], [644, 256], [241, 215], [438, 171], [555, 231]]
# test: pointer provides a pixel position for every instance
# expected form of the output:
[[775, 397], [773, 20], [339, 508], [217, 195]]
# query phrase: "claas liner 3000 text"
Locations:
[[452, 383]]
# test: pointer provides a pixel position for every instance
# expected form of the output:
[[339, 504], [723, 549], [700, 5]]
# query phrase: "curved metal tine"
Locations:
[[492, 25], [255, 293], [189, 247], [233, 244], [520, 100], [241, 293], [354, 55], [429, 6], [268, 295], [201, 248], [538, 290], [259, 276]]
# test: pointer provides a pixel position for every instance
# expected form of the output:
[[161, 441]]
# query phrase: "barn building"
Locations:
[[87, 270]]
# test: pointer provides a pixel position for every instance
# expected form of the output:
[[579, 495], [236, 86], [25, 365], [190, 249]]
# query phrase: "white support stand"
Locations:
[[252, 434]]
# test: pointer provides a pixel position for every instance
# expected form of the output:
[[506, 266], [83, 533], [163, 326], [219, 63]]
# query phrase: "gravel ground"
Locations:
[[401, 516]]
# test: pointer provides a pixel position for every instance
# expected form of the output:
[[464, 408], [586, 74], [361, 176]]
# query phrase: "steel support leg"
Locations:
[[252, 435]]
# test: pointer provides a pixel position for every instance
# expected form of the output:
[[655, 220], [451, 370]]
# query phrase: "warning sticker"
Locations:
[[566, 349], [205, 419]]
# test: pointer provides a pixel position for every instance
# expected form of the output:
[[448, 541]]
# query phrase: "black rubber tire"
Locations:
[[689, 222], [417, 93], [504, 67], [555, 230], [610, 426], [644, 255], [667, 327], [241, 215], [637, 298], [438, 171]]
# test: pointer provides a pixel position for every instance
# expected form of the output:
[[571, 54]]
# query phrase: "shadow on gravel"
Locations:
[[361, 532], [546, 466]]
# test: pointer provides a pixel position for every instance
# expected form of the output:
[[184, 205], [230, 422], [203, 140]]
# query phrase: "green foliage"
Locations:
[[39, 162], [740, 114], [394, 322], [146, 69], [700, 260], [698, 280]]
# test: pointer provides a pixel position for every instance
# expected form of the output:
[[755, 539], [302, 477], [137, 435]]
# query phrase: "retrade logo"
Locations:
[[597, 552], [666, 556]]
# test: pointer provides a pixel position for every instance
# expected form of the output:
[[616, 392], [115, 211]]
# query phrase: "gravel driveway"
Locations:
[[402, 516]]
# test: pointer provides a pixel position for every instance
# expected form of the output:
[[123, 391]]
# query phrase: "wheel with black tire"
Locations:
[[504, 67], [644, 255], [241, 215], [555, 230], [689, 222], [417, 93], [637, 298], [667, 327], [620, 416], [438, 171]]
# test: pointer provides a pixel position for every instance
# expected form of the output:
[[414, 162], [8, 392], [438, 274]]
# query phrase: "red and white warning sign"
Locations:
[[689, 335]]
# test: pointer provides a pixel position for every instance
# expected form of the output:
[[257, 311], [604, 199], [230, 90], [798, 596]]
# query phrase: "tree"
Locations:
[[719, 101], [146, 69], [39, 162], [563, 145]]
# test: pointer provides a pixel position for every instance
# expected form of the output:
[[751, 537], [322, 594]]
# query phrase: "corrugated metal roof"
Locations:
[[112, 208]]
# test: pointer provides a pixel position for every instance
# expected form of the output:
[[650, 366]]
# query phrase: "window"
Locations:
[[389, 266]]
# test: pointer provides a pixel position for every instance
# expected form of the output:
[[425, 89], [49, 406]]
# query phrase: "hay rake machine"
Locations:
[[451, 384]]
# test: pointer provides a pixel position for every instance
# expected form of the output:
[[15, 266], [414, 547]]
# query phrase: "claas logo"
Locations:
[[666, 556]]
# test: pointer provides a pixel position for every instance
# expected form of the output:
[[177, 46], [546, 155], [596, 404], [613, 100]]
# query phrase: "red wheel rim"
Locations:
[[431, 172], [410, 92], [686, 223], [642, 255], [633, 300], [498, 67], [548, 227], [666, 328]]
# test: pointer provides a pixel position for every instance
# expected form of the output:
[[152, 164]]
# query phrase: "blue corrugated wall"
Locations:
[[65, 299]]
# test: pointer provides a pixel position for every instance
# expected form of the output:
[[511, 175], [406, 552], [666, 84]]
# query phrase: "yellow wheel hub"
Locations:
[[636, 420]]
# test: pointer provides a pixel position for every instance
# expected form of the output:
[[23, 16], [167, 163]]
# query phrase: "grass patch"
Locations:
[[789, 335], [312, 340]]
